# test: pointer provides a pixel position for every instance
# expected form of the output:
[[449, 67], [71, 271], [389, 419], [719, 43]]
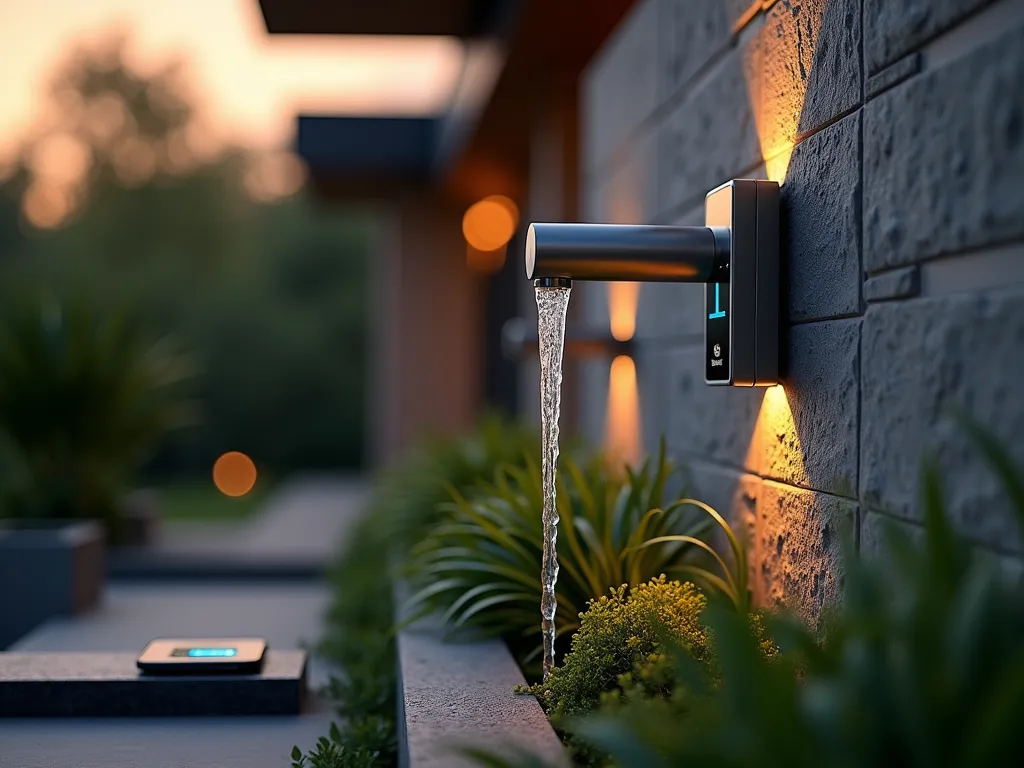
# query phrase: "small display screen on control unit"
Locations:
[[205, 653], [716, 348]]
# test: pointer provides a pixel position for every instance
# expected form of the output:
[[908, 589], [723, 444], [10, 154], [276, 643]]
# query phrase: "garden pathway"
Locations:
[[307, 519]]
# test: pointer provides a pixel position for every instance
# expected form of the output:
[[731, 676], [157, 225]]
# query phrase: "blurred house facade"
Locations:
[[895, 128]]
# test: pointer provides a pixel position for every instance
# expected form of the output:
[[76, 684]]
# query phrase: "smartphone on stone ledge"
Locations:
[[191, 656]]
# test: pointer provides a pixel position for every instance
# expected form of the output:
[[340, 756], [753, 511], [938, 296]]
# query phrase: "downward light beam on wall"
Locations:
[[622, 420]]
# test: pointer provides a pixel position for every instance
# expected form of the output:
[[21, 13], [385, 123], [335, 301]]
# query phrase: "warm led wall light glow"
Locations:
[[622, 426], [234, 474], [777, 67], [622, 304], [490, 223], [775, 441]]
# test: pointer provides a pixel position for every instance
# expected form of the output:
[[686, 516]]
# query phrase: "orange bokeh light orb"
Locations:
[[490, 223], [234, 474]]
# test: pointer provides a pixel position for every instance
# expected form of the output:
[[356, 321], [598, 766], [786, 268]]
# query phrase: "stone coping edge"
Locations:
[[461, 693]]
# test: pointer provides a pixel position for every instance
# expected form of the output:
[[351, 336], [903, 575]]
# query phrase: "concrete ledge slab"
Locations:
[[459, 694], [110, 685]]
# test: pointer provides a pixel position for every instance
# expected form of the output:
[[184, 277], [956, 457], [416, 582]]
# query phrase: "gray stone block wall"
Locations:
[[897, 130]]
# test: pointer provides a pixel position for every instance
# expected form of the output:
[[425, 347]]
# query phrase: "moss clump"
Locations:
[[624, 652], [621, 634]]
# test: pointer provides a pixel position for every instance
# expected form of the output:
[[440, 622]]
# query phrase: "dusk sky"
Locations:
[[248, 86]]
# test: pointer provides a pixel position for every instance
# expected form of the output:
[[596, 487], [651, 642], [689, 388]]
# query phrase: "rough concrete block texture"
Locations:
[[626, 191], [710, 136], [875, 529], [713, 424], [893, 28], [921, 358], [654, 386], [806, 432], [732, 494], [811, 67], [902, 283], [798, 548], [691, 33], [944, 158], [821, 206], [620, 88]]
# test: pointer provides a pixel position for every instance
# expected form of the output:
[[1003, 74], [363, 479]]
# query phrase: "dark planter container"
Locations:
[[48, 568], [140, 519]]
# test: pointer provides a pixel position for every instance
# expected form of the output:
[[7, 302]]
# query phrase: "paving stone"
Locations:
[[806, 432], [110, 685], [893, 75], [893, 28], [921, 358], [821, 206], [943, 159], [902, 283], [711, 136], [799, 547], [620, 88], [811, 55], [692, 33]]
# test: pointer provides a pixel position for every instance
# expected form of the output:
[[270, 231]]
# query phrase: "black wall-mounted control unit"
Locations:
[[741, 308]]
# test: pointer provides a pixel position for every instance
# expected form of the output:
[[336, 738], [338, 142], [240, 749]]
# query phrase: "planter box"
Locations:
[[140, 516], [47, 568], [459, 694]]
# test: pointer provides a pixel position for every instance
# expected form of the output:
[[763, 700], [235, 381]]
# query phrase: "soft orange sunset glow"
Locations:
[[246, 85]]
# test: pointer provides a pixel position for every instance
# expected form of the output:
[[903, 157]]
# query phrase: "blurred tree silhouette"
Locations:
[[118, 197]]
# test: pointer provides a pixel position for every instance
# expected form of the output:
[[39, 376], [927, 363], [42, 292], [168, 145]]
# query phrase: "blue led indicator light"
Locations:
[[718, 311], [204, 653]]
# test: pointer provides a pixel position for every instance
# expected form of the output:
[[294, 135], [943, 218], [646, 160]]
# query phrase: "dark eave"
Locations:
[[367, 156], [548, 49], [546, 43], [459, 18]]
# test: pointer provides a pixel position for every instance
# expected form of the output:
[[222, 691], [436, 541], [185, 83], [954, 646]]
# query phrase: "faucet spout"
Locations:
[[627, 252]]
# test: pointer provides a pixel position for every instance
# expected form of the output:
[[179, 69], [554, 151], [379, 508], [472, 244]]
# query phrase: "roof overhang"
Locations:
[[516, 50], [457, 18]]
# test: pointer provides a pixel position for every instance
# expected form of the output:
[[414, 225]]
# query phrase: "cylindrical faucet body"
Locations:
[[637, 253]]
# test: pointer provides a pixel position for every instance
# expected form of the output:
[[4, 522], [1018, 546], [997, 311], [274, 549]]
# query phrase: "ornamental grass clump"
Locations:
[[480, 565]]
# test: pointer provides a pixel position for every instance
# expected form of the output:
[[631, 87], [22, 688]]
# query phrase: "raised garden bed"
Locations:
[[48, 568], [461, 694]]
